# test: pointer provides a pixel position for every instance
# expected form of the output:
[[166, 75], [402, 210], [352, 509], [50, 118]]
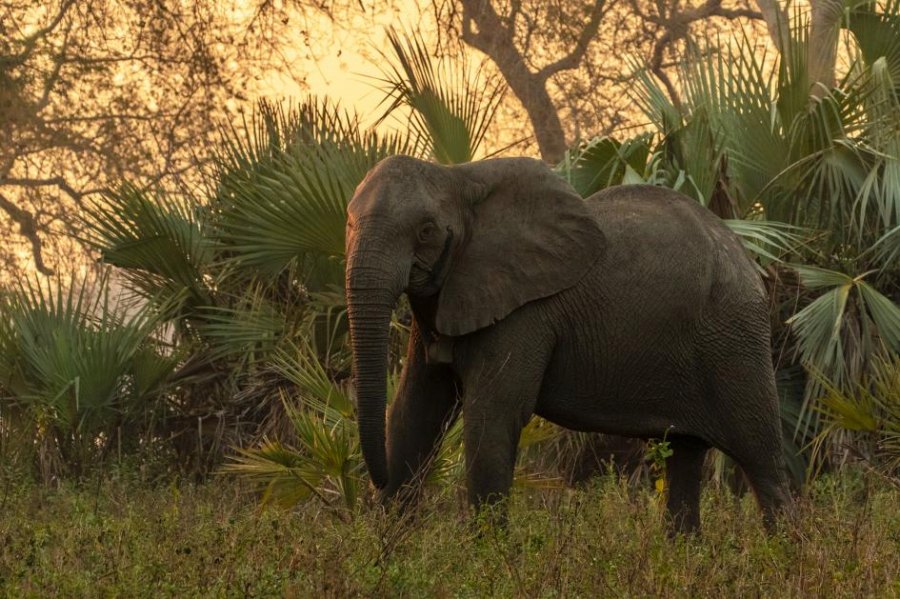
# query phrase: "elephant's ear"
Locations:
[[530, 236]]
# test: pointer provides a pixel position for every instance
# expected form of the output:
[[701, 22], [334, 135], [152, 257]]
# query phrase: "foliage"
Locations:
[[658, 452], [327, 462], [822, 326], [92, 93], [872, 411], [81, 374], [450, 104], [283, 187]]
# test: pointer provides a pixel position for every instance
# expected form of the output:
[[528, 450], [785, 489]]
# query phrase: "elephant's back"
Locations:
[[648, 213], [652, 229]]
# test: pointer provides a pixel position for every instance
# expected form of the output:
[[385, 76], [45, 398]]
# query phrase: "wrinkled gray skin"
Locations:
[[635, 312]]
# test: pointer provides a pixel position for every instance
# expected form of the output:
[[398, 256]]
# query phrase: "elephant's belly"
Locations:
[[631, 393]]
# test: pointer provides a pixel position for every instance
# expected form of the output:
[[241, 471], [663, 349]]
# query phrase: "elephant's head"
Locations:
[[479, 239]]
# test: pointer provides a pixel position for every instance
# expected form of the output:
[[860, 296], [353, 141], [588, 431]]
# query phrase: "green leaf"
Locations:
[[768, 239], [284, 185], [79, 367], [884, 313], [604, 162], [816, 278], [157, 241], [451, 105]]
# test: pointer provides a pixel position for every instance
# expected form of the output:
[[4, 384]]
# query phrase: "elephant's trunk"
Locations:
[[372, 292]]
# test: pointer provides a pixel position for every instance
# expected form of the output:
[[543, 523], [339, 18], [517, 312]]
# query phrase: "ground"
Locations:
[[118, 538]]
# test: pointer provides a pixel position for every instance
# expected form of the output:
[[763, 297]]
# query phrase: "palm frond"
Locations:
[[451, 105], [877, 33], [448, 466], [604, 162], [887, 250], [282, 472], [884, 313], [247, 331], [844, 329], [770, 241], [285, 184], [156, 239], [818, 326], [871, 407], [80, 365]]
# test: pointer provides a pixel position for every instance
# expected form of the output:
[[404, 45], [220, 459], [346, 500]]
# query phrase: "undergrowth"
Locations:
[[117, 538]]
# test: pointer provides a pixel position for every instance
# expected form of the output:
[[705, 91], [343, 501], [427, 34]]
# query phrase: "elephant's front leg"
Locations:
[[501, 387], [491, 448], [425, 407]]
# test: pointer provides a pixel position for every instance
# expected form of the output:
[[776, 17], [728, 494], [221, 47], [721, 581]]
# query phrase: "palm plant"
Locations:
[[81, 373], [156, 241], [282, 187], [326, 462], [872, 411]]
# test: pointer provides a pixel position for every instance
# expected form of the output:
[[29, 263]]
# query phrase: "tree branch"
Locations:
[[58, 182], [31, 41], [28, 229], [485, 30], [573, 58], [677, 26]]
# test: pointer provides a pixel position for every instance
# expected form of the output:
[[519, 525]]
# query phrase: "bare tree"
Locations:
[[562, 59], [96, 92], [483, 28]]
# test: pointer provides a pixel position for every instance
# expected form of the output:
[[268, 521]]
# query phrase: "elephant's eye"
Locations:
[[426, 232]]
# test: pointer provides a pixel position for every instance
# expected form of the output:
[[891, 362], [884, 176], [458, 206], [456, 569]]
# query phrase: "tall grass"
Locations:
[[119, 540]]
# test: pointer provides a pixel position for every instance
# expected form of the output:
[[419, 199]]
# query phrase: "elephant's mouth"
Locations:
[[419, 276], [427, 278]]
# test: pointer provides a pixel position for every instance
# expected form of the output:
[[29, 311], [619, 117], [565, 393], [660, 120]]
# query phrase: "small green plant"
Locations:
[[658, 451]]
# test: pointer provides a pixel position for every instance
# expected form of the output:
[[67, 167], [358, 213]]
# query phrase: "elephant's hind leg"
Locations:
[[750, 430], [683, 473], [767, 476]]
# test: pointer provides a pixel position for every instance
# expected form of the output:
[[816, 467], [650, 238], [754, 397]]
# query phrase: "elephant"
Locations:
[[635, 312]]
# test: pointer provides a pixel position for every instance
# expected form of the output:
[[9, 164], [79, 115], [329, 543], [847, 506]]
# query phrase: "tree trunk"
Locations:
[[776, 22], [825, 22], [491, 36]]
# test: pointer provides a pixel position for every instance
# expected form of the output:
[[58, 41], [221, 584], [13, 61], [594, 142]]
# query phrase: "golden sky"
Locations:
[[340, 59]]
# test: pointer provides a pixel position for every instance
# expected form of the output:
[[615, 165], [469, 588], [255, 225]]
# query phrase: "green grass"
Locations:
[[123, 539]]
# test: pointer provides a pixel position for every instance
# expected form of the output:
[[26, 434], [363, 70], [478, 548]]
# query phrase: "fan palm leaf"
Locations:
[[844, 329], [80, 366], [285, 183], [156, 240], [604, 162], [451, 105]]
